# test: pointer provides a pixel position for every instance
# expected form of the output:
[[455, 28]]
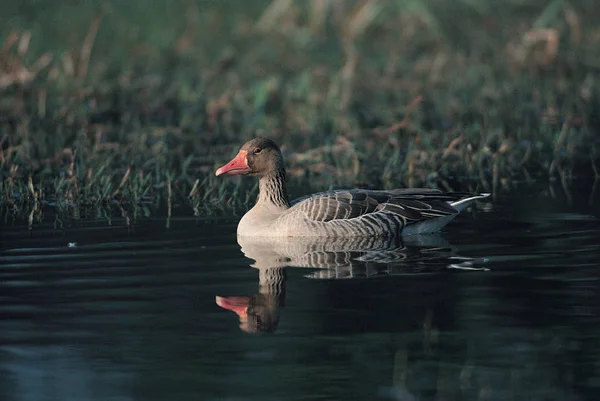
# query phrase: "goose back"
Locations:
[[360, 212]]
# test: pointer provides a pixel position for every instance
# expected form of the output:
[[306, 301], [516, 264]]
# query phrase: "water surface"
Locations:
[[98, 310]]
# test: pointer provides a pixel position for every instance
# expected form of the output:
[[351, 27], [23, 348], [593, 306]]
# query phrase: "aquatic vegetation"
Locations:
[[124, 107]]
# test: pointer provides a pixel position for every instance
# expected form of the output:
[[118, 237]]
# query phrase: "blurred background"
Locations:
[[131, 100], [115, 114]]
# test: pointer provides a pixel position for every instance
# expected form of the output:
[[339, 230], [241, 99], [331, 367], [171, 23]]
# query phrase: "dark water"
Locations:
[[129, 313]]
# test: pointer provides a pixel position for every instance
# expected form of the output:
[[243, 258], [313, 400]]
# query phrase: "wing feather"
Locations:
[[411, 204], [406, 213]]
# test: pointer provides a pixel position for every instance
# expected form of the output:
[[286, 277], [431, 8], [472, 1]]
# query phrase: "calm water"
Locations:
[[130, 313]]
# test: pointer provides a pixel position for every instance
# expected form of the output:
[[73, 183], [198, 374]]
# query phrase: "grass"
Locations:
[[119, 104]]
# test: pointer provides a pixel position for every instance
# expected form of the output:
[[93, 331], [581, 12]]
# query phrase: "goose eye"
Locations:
[[257, 150]]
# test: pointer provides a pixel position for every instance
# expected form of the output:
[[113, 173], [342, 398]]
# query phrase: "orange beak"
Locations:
[[239, 165], [237, 304]]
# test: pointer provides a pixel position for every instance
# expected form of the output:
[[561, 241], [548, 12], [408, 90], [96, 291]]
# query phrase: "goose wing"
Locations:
[[412, 204]]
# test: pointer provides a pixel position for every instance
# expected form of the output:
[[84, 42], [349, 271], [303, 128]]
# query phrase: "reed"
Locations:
[[368, 92]]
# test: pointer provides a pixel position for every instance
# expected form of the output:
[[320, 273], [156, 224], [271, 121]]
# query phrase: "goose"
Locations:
[[335, 213]]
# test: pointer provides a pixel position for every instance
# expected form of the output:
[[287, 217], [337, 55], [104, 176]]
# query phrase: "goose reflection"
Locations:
[[336, 258]]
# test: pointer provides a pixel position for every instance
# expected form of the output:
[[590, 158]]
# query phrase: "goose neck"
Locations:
[[272, 190]]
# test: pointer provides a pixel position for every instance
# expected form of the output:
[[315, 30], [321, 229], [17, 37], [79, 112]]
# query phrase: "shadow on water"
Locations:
[[126, 310]]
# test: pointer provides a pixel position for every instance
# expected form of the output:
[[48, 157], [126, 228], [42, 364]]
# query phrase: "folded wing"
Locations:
[[412, 204]]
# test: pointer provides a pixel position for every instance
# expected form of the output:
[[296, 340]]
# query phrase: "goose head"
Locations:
[[258, 157]]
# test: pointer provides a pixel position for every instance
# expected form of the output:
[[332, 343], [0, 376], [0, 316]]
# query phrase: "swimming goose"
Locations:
[[338, 213]]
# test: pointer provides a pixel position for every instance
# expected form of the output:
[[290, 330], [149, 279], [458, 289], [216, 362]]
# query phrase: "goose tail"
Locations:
[[435, 225], [462, 204]]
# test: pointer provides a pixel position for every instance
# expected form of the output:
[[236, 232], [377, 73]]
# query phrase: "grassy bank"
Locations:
[[122, 102]]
